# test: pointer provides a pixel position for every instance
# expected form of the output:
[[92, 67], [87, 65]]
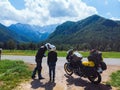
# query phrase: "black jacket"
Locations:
[[52, 57], [41, 52]]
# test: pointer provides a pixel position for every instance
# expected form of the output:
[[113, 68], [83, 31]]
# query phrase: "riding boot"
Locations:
[[34, 73], [50, 79], [53, 74], [39, 74]]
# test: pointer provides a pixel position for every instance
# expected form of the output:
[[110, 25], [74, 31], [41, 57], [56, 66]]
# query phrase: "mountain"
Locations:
[[25, 33], [31, 33], [6, 34], [92, 32]]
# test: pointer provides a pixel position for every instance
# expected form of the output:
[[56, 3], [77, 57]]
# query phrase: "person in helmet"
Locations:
[[51, 61], [38, 59]]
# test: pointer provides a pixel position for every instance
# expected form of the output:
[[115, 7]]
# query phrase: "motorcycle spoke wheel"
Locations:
[[96, 79], [67, 69]]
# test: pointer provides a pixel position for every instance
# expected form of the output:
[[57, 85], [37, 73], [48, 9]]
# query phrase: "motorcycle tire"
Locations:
[[103, 65], [67, 69], [96, 79]]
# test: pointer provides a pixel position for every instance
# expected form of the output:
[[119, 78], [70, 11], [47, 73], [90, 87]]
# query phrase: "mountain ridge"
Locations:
[[91, 32], [25, 32]]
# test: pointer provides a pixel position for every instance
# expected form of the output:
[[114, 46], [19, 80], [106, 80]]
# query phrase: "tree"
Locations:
[[11, 44], [22, 46], [32, 46], [1, 44]]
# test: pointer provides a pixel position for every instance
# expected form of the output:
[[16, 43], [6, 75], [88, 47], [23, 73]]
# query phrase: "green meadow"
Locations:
[[110, 54], [12, 73]]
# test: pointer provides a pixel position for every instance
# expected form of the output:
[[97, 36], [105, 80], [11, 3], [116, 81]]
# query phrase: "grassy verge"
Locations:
[[60, 53], [111, 54], [115, 79], [12, 73], [19, 52]]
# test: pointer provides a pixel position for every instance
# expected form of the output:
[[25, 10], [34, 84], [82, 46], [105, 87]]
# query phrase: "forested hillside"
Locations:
[[23, 36], [92, 32]]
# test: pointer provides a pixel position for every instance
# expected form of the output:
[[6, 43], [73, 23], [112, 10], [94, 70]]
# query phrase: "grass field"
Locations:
[[115, 79], [60, 53], [12, 73], [19, 52]]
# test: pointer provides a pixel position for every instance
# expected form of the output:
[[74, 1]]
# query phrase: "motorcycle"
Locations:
[[85, 69]]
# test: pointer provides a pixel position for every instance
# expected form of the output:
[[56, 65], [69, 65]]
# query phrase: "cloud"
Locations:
[[61, 9], [111, 16], [45, 12], [115, 18]]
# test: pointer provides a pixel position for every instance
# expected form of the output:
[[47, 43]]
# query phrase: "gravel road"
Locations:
[[61, 60]]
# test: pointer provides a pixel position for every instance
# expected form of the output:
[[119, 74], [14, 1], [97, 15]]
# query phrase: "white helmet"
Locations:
[[47, 45], [53, 48]]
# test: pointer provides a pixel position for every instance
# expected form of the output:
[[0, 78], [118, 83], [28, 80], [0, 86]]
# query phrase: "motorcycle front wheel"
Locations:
[[96, 79], [67, 69]]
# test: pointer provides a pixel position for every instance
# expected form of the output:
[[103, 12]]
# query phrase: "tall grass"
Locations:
[[12, 73]]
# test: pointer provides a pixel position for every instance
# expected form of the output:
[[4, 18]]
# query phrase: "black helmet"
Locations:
[[93, 51]]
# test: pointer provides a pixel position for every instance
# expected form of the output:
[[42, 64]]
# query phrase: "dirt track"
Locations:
[[65, 82]]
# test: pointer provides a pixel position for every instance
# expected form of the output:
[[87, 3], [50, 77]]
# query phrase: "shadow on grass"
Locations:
[[86, 84]]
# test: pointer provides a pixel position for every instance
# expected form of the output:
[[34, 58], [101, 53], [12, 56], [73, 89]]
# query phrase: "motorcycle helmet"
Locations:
[[53, 48], [48, 46], [93, 51]]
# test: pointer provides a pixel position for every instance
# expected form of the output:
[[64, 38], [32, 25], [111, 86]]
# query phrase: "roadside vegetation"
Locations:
[[19, 52], [60, 53], [115, 79], [12, 73]]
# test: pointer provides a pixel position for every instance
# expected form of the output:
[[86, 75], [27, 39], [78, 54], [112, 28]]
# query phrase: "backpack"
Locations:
[[96, 58]]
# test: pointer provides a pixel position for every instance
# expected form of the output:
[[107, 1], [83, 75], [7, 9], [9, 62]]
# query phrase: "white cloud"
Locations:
[[111, 16], [115, 18], [44, 12]]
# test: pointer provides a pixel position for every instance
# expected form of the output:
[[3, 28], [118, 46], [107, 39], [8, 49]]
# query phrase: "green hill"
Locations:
[[92, 32]]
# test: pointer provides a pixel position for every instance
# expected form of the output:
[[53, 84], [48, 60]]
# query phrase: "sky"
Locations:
[[47, 12]]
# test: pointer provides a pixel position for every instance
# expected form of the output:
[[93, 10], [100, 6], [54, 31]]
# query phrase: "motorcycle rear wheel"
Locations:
[[96, 79], [67, 69]]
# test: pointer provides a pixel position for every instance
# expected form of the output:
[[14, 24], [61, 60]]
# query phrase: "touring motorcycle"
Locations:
[[84, 68]]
